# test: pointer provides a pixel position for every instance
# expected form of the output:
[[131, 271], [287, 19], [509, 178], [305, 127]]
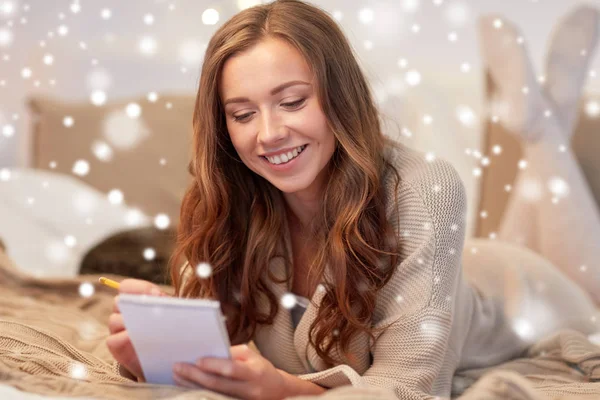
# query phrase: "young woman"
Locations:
[[297, 195]]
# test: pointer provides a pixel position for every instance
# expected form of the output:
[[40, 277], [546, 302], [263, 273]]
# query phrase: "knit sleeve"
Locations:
[[414, 358]]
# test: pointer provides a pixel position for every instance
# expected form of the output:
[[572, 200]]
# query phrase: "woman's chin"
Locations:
[[289, 187]]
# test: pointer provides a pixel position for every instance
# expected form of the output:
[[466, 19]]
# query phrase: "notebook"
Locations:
[[167, 330]]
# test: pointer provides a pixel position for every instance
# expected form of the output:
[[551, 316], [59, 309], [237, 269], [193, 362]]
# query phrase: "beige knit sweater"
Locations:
[[444, 324]]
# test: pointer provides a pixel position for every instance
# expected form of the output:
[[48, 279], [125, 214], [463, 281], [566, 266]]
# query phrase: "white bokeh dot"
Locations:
[[86, 289], [288, 300], [149, 254], [68, 121], [162, 221], [133, 110], [70, 241], [203, 270], [81, 168], [98, 97], [210, 16], [5, 174], [8, 130], [115, 196]]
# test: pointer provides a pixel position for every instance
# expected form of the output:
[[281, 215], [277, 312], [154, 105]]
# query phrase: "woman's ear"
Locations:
[[572, 48]]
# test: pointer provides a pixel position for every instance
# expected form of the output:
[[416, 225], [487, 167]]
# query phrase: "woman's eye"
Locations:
[[241, 117], [294, 104]]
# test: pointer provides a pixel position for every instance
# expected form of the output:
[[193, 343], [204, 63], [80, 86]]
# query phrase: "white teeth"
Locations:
[[283, 158]]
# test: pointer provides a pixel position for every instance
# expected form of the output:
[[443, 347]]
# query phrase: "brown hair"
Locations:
[[232, 218]]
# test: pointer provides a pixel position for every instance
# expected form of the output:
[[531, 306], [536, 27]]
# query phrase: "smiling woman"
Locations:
[[299, 200]]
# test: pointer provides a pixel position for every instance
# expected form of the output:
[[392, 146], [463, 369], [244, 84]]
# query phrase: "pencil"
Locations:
[[109, 283]]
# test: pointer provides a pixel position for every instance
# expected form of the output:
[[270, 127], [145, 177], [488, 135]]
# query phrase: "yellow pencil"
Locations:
[[109, 283]]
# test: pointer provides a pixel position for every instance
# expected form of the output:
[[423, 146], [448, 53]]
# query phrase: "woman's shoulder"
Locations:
[[435, 180]]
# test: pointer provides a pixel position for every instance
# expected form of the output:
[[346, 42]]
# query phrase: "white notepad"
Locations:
[[167, 330]]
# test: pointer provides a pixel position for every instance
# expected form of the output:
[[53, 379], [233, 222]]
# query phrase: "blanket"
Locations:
[[52, 343]]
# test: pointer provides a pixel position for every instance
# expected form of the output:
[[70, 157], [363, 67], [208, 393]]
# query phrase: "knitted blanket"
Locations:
[[52, 344]]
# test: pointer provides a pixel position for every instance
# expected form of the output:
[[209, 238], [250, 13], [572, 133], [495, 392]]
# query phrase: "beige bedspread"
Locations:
[[52, 343]]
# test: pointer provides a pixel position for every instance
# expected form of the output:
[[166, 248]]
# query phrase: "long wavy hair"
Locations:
[[233, 219]]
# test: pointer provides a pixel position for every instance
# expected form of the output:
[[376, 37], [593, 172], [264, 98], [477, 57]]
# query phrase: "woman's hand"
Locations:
[[247, 375], [118, 342]]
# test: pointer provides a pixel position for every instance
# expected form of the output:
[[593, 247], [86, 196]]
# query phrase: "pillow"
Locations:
[[123, 151]]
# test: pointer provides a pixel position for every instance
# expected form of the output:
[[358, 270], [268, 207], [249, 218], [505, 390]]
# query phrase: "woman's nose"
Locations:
[[271, 130]]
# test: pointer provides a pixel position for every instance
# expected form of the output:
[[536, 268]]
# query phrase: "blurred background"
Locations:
[[96, 101]]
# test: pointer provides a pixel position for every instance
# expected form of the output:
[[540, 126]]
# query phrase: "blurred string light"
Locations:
[[592, 108], [63, 30], [8, 130], [210, 16], [191, 52], [75, 7], [410, 6], [366, 16], [148, 19], [102, 151], [152, 97], [133, 110], [98, 79], [124, 131], [149, 254], [466, 116], [115, 197], [558, 187], [413, 77], [86, 289], [162, 221], [81, 168], [68, 121], [8, 8], [147, 45], [6, 37], [135, 217], [457, 13], [83, 202], [203, 270], [98, 97], [48, 59]]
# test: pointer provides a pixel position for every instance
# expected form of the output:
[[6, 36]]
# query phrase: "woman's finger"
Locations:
[[138, 286], [115, 323], [232, 369], [242, 352], [231, 387], [116, 304]]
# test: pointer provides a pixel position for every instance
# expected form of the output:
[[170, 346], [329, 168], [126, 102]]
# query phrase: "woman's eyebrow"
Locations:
[[274, 91]]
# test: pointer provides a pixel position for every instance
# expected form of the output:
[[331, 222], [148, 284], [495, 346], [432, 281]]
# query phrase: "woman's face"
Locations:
[[274, 118]]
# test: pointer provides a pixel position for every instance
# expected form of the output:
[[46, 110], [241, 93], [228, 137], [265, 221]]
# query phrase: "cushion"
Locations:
[[130, 149]]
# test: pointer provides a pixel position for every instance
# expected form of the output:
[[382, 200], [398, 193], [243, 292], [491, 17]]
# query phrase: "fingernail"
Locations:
[[178, 368]]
